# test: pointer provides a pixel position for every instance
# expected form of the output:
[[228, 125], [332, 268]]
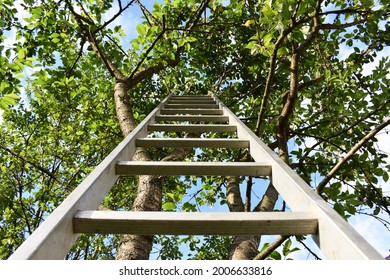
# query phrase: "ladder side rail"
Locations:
[[337, 239], [55, 236]]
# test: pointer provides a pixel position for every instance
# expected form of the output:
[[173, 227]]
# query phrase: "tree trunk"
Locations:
[[148, 198], [123, 110], [243, 247], [149, 191]]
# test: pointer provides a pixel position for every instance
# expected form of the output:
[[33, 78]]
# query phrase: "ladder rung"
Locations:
[[191, 97], [185, 105], [192, 143], [166, 168], [200, 101], [192, 111], [192, 127], [191, 223], [202, 118]]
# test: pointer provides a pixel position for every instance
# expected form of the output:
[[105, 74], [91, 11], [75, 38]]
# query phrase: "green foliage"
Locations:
[[48, 146], [282, 254], [210, 248]]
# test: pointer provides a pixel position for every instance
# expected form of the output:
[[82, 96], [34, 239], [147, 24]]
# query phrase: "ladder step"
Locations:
[[191, 101], [166, 168], [185, 105], [191, 111], [192, 127], [202, 118], [186, 97], [190, 223], [192, 143]]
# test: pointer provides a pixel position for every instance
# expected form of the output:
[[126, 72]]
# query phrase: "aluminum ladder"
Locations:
[[310, 214]]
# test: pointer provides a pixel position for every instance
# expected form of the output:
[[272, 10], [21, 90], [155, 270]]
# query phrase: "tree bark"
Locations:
[[149, 192], [123, 110], [243, 247], [148, 198]]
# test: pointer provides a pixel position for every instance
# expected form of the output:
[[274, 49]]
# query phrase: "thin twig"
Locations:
[[311, 252], [121, 10], [37, 166]]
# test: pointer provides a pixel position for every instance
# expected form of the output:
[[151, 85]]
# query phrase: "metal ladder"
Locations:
[[310, 213]]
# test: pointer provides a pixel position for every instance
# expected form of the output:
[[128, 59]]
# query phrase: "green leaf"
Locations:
[[189, 207], [83, 89], [8, 100], [339, 208], [385, 176], [117, 29], [255, 49], [22, 53], [286, 247], [250, 45], [187, 47], [283, 51], [191, 39], [141, 29], [171, 56], [276, 255], [36, 13], [135, 45], [169, 206], [267, 39]]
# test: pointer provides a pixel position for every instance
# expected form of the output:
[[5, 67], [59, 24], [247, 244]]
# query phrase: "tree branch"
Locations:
[[341, 26], [90, 35], [146, 11], [271, 72], [354, 149], [282, 128], [117, 45], [311, 252], [342, 131], [35, 165], [77, 58], [135, 77], [316, 27], [248, 194], [78, 16], [271, 247], [342, 12], [233, 195], [121, 10], [145, 54], [114, 71]]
